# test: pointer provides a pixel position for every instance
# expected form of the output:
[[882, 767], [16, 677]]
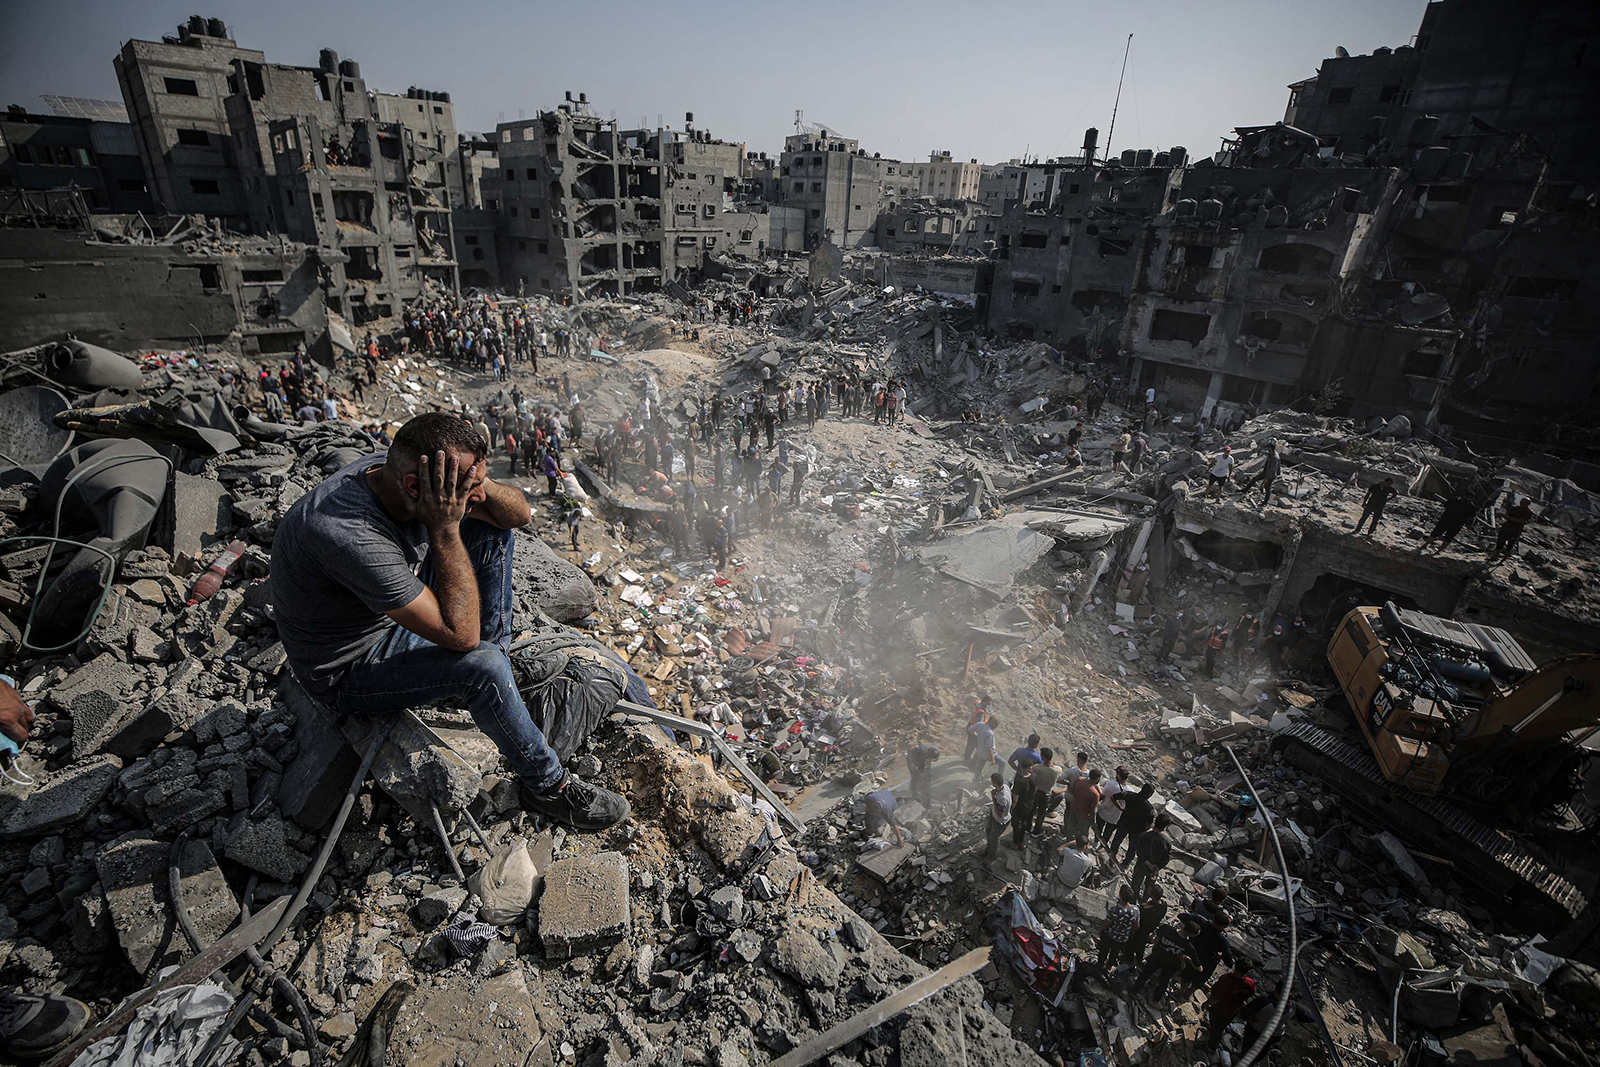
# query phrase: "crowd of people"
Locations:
[[1083, 817]]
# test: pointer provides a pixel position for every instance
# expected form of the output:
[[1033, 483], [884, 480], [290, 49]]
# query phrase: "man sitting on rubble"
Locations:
[[368, 632]]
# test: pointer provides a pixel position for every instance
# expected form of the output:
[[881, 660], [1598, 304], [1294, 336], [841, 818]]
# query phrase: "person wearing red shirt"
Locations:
[[1085, 797], [1228, 994]]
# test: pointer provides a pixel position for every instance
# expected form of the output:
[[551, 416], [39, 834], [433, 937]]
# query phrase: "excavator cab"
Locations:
[[1451, 707]]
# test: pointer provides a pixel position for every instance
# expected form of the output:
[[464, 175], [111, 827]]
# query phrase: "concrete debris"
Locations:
[[585, 904]]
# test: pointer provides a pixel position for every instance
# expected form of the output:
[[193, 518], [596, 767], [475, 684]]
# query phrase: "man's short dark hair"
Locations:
[[436, 431], [1047, 754]]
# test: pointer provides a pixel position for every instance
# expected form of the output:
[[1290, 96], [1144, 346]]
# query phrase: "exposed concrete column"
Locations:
[[1280, 581], [1213, 394]]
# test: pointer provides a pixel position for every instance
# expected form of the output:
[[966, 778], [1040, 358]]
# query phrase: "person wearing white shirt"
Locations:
[[1220, 469], [330, 409]]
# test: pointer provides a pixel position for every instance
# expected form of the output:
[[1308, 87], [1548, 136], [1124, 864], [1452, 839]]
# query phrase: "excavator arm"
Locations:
[[1559, 697]]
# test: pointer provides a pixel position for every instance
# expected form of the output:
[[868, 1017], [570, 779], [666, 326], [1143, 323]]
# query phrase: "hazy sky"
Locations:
[[983, 80]]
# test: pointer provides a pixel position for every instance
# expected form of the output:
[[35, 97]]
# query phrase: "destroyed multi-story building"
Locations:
[[1488, 109], [587, 209], [306, 152], [152, 281], [322, 165], [477, 242], [840, 188], [174, 90], [87, 145], [933, 225], [580, 206], [1065, 252]]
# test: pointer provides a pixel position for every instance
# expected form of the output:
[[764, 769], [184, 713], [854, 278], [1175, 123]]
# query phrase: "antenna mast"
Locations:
[[1118, 101]]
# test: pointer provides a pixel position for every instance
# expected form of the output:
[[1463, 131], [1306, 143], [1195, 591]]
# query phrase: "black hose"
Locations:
[[180, 908], [209, 1053], [1287, 986]]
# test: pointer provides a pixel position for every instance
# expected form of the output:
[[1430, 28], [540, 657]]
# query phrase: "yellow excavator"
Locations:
[[1472, 749]]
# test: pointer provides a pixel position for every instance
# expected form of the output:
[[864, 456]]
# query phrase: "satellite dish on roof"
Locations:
[[1341, 52]]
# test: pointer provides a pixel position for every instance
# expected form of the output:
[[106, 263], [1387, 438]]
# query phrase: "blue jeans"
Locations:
[[405, 671]]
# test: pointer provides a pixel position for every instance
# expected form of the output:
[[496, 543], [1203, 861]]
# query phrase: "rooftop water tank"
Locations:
[[328, 60], [349, 68], [1163, 159], [216, 28], [1210, 210], [1178, 154], [1186, 206], [1143, 158], [1128, 157]]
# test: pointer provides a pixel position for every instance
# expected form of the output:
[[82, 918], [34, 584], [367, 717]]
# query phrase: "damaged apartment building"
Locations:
[[1066, 243], [309, 153], [586, 209]]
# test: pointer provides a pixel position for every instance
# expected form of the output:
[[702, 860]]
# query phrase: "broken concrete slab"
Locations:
[[92, 695], [62, 799], [133, 875], [803, 958], [196, 513], [263, 845], [991, 556], [1402, 859], [585, 904], [317, 780], [464, 1022], [564, 592], [138, 730]]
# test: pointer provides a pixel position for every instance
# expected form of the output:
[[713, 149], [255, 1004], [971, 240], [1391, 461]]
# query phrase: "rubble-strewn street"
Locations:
[[586, 595]]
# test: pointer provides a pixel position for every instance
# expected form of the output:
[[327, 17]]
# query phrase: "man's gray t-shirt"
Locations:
[[338, 563]]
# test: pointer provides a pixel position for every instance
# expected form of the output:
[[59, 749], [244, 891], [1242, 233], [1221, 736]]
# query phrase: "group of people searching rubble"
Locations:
[[1105, 819], [715, 474]]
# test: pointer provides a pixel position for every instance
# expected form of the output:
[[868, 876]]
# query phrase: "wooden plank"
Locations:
[[836, 1037]]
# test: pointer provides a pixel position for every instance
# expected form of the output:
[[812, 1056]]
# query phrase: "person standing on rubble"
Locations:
[[1085, 797], [980, 713], [1169, 634], [1119, 451], [1245, 633], [1216, 641], [1267, 475], [802, 467], [1459, 508], [999, 816], [1108, 813], [1137, 814], [1226, 998], [919, 764], [721, 544], [1221, 468], [1022, 757], [1516, 518], [1116, 933], [1041, 780], [1151, 852], [1210, 946], [1372, 507], [1172, 953], [369, 632], [983, 752]]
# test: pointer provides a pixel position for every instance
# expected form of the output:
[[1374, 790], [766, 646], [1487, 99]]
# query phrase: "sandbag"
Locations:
[[506, 884]]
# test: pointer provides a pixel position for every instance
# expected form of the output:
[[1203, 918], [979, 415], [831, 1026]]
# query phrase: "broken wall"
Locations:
[[127, 297]]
